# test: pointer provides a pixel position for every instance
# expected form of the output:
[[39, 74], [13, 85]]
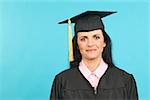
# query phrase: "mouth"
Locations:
[[90, 50]]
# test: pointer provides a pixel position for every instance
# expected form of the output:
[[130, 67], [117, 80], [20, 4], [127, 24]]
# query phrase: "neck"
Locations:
[[92, 64]]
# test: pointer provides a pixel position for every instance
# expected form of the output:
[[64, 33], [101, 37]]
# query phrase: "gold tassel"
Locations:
[[71, 58]]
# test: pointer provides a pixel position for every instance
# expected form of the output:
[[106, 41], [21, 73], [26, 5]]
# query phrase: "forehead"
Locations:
[[90, 33]]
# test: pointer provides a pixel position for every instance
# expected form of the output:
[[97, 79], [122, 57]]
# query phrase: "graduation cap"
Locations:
[[84, 22]]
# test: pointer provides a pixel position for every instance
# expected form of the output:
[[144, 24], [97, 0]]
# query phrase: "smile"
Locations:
[[90, 50]]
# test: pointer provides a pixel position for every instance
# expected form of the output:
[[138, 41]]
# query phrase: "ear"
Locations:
[[104, 45]]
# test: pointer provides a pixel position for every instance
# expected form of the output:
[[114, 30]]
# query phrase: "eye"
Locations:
[[97, 37], [82, 39]]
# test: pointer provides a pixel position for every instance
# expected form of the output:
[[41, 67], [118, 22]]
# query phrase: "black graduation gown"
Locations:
[[115, 84]]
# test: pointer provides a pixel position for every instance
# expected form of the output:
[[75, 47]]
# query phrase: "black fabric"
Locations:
[[115, 84], [88, 21]]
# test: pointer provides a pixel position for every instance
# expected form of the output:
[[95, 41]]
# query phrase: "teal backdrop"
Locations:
[[34, 47]]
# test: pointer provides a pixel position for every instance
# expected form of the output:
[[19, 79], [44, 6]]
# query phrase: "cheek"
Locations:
[[81, 46], [101, 44]]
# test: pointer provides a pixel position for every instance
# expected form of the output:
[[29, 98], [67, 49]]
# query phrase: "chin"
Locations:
[[92, 58]]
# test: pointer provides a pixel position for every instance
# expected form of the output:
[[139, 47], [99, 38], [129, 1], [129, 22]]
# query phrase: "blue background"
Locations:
[[34, 47]]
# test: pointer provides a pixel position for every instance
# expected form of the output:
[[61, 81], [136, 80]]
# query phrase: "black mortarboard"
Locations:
[[89, 20]]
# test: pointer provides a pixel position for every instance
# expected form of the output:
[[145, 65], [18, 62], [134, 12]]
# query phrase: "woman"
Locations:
[[92, 75]]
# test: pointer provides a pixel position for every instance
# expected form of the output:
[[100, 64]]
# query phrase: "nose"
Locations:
[[90, 42]]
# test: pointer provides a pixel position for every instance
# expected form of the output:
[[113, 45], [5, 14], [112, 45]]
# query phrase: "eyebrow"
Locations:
[[97, 34], [83, 37], [87, 36]]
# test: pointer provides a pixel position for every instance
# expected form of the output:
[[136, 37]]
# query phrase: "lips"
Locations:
[[91, 50]]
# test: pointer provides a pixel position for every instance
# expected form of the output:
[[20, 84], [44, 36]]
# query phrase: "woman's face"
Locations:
[[91, 44]]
